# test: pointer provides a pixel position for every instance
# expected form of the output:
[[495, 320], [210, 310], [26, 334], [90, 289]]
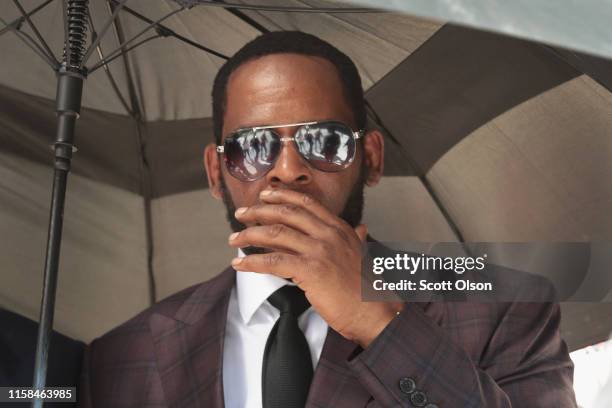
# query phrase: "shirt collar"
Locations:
[[253, 289]]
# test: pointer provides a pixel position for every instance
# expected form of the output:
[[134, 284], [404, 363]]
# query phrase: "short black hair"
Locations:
[[291, 42]]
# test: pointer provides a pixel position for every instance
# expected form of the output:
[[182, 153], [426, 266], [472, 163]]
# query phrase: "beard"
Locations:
[[351, 213]]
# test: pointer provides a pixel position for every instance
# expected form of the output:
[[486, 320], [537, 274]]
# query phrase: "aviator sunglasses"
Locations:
[[250, 153]]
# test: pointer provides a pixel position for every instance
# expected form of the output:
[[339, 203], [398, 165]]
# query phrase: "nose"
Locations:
[[290, 169]]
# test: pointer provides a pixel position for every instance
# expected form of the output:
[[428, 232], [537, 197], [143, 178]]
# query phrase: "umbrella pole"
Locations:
[[70, 78], [68, 103]]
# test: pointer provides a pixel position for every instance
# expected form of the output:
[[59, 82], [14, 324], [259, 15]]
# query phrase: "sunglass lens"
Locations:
[[328, 146], [251, 154]]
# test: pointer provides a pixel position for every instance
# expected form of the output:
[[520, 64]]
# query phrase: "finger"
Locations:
[[362, 232], [289, 214], [274, 263], [302, 200], [275, 236]]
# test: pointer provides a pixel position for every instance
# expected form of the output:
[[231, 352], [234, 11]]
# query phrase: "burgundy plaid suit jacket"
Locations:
[[450, 354]]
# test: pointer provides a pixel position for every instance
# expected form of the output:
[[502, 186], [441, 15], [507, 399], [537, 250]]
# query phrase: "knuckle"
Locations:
[[275, 230], [307, 200], [288, 209], [272, 259]]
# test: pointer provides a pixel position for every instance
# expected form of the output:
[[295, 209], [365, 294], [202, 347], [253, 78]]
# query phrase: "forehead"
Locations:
[[284, 88]]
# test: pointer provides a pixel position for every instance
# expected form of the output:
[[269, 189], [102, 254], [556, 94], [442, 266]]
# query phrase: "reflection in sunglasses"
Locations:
[[327, 146]]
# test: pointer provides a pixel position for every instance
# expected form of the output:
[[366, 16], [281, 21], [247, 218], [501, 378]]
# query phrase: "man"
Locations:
[[291, 161]]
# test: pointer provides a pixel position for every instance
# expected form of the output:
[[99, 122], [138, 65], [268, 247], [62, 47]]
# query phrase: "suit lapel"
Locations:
[[334, 385], [189, 345], [189, 353]]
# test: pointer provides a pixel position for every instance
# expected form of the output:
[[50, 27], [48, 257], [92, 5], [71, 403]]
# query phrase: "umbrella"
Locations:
[[490, 138]]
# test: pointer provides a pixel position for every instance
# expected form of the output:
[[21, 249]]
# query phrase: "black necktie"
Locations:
[[287, 366]]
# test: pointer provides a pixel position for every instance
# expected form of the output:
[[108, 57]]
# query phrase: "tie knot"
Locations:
[[289, 299]]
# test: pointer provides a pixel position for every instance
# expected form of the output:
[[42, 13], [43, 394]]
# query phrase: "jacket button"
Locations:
[[418, 399], [407, 385]]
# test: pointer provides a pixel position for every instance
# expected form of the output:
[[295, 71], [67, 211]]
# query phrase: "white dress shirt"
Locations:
[[250, 318]]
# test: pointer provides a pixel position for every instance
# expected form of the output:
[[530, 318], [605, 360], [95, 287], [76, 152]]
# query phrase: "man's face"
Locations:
[[280, 89]]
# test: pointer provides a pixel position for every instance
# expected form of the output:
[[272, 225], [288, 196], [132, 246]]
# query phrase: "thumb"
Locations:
[[362, 232]]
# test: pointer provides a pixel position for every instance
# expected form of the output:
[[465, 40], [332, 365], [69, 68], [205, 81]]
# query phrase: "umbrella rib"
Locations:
[[249, 20], [361, 28], [199, 46], [165, 31], [27, 18], [109, 74], [118, 53], [19, 20], [269, 20], [420, 175], [32, 44], [145, 171], [289, 9], [120, 36], [126, 42], [105, 28], [246, 19]]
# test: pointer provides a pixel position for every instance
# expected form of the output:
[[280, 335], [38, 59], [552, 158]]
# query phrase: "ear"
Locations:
[[374, 156], [213, 170]]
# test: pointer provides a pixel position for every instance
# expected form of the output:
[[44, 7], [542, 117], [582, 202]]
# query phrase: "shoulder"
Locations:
[[133, 336], [498, 334], [122, 364]]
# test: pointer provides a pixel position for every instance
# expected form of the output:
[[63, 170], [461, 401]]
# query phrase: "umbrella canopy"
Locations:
[[489, 138]]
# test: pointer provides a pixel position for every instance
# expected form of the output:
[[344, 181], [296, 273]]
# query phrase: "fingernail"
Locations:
[[234, 236], [265, 193], [236, 261], [240, 211]]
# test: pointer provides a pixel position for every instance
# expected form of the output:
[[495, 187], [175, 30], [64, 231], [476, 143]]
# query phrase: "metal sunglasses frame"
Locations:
[[356, 134]]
